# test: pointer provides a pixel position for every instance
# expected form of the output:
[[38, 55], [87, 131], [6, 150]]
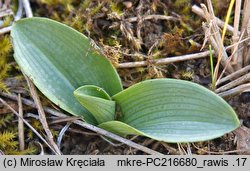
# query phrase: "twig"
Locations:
[[243, 29], [235, 91], [1, 153], [234, 75], [116, 137], [139, 20], [164, 60], [215, 38], [189, 151], [20, 124], [68, 119], [169, 59], [27, 123], [246, 14], [150, 17], [230, 58], [86, 125], [236, 60], [181, 149], [5, 30], [234, 83], [17, 17], [5, 13], [220, 23], [19, 12], [170, 149], [78, 131], [27, 8], [42, 116]]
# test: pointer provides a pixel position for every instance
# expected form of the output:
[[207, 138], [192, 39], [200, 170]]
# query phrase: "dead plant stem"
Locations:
[[238, 81], [237, 60], [234, 75], [42, 116], [86, 125], [235, 91], [27, 123], [20, 124], [164, 60], [197, 10]]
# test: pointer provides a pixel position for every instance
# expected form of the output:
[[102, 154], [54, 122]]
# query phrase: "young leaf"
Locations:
[[175, 111], [120, 128], [59, 59], [97, 101]]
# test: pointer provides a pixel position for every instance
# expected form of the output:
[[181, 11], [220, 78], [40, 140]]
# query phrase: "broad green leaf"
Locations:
[[120, 128], [175, 111], [59, 59], [97, 101]]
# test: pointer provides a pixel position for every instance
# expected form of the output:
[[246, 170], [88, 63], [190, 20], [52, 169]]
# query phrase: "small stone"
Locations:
[[127, 4], [104, 9]]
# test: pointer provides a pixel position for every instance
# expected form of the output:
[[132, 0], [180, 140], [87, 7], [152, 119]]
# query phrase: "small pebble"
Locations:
[[127, 4], [104, 9]]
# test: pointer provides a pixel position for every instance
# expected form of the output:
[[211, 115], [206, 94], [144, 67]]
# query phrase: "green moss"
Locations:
[[5, 48], [116, 7]]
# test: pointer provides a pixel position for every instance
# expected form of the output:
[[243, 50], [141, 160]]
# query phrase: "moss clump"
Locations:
[[5, 49]]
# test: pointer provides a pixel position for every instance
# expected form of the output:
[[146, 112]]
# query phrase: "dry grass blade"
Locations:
[[212, 33], [27, 8], [20, 124], [42, 116], [230, 58], [197, 10], [5, 30], [246, 15], [126, 29], [87, 126], [243, 79], [234, 91], [234, 75], [245, 31], [27, 123], [236, 59], [152, 17], [68, 119], [40, 146], [17, 17], [61, 134], [19, 12], [170, 149]]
